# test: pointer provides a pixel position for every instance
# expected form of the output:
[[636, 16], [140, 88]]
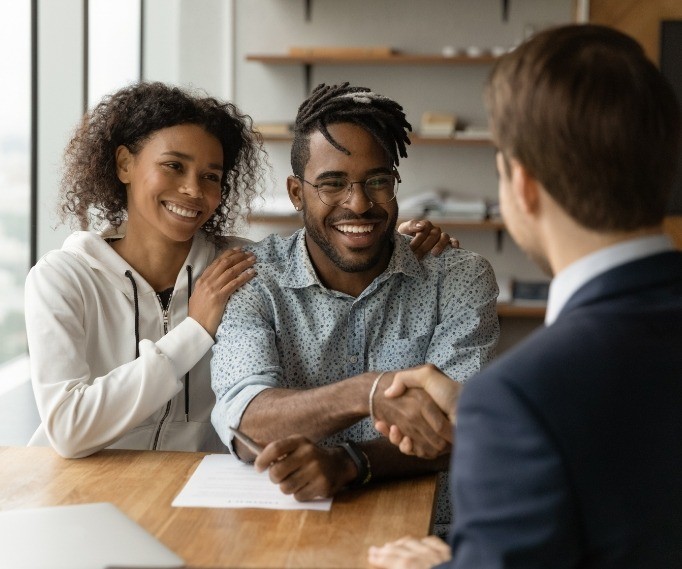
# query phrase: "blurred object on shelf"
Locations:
[[435, 124], [530, 291], [450, 51], [443, 203], [274, 129], [473, 131], [494, 213]]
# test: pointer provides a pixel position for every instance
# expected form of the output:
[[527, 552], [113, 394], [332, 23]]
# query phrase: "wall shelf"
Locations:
[[415, 139], [307, 61], [394, 59]]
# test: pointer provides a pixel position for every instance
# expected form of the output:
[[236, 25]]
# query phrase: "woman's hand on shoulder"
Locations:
[[230, 270], [426, 237]]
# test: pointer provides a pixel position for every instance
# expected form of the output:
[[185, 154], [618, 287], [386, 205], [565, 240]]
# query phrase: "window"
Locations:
[[112, 24], [15, 173]]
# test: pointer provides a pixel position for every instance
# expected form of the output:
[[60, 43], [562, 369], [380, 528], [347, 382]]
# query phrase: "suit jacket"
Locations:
[[569, 447]]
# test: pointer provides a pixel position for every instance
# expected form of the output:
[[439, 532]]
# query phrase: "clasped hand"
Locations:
[[416, 413]]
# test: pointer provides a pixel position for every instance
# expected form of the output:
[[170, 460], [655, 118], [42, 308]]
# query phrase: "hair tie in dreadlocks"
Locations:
[[382, 117]]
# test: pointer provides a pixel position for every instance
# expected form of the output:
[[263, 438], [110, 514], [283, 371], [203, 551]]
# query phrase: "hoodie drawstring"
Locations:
[[189, 293], [129, 274]]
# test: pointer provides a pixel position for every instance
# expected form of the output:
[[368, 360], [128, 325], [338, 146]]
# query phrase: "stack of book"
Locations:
[[474, 133], [444, 204], [274, 129], [522, 292], [435, 125]]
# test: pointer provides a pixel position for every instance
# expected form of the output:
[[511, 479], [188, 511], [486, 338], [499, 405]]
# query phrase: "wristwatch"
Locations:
[[361, 461]]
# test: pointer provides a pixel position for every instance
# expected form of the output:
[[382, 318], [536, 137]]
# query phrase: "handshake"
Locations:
[[413, 408], [416, 412]]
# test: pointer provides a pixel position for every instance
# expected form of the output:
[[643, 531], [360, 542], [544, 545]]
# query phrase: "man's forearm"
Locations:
[[314, 413]]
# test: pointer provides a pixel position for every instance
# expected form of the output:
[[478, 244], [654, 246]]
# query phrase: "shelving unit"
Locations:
[[307, 61], [414, 139], [511, 310], [394, 59]]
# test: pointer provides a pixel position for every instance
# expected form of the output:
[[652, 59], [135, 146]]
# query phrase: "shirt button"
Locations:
[[353, 359]]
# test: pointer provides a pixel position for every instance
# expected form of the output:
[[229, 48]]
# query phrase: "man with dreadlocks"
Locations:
[[306, 349]]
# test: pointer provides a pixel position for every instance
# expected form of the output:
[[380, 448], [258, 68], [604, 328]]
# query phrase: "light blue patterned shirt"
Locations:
[[286, 329]]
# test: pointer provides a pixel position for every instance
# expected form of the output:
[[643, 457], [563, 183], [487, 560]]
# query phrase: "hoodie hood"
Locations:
[[94, 250]]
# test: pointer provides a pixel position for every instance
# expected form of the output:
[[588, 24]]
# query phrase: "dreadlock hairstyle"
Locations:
[[382, 117]]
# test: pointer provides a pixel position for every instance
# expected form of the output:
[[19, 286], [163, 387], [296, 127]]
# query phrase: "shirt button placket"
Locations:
[[355, 340]]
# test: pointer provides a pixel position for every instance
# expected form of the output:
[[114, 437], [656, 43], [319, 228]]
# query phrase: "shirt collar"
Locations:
[[301, 273], [568, 281]]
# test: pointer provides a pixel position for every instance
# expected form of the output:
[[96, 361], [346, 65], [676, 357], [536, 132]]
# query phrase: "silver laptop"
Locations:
[[85, 536]]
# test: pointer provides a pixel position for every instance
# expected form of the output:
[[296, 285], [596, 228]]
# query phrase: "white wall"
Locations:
[[190, 43]]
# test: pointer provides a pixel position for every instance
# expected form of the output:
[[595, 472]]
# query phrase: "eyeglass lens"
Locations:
[[378, 189]]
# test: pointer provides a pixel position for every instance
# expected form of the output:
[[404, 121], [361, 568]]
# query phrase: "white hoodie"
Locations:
[[91, 388]]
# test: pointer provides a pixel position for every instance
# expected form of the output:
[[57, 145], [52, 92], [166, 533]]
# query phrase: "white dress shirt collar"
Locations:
[[568, 281]]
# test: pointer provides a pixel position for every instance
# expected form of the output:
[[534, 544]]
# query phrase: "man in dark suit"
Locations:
[[568, 449]]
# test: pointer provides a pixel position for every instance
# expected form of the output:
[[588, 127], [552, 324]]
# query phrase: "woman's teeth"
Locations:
[[181, 211]]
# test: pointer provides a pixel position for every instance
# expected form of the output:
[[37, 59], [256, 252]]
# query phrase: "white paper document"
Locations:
[[222, 481]]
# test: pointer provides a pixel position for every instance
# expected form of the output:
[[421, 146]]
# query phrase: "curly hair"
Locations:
[[382, 117], [90, 188]]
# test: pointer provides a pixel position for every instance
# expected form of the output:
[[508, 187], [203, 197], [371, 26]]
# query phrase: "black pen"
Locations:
[[252, 445]]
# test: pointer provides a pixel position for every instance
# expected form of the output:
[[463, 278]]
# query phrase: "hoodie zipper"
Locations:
[[168, 405]]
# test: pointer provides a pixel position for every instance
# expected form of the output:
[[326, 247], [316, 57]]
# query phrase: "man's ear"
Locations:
[[124, 161], [525, 188], [295, 190]]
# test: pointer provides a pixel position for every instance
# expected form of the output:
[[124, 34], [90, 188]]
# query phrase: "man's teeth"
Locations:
[[355, 228], [181, 211]]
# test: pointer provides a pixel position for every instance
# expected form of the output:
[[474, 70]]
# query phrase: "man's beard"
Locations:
[[350, 265]]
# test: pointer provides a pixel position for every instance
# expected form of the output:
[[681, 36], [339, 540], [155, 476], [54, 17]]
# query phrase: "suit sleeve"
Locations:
[[511, 491]]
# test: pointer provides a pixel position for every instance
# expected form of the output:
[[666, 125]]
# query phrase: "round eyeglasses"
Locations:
[[337, 190]]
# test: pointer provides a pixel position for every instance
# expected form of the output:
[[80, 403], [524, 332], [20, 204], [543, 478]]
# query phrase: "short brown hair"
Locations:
[[589, 116]]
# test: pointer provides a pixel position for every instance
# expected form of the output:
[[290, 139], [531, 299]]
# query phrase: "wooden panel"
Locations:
[[673, 227], [639, 18]]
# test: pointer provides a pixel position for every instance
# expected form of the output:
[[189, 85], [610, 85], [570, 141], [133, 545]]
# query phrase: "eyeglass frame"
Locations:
[[393, 173]]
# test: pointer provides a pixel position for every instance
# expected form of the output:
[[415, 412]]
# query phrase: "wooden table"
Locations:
[[144, 483]]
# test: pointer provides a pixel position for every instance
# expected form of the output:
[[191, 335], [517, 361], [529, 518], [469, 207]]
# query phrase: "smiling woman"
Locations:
[[118, 317]]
